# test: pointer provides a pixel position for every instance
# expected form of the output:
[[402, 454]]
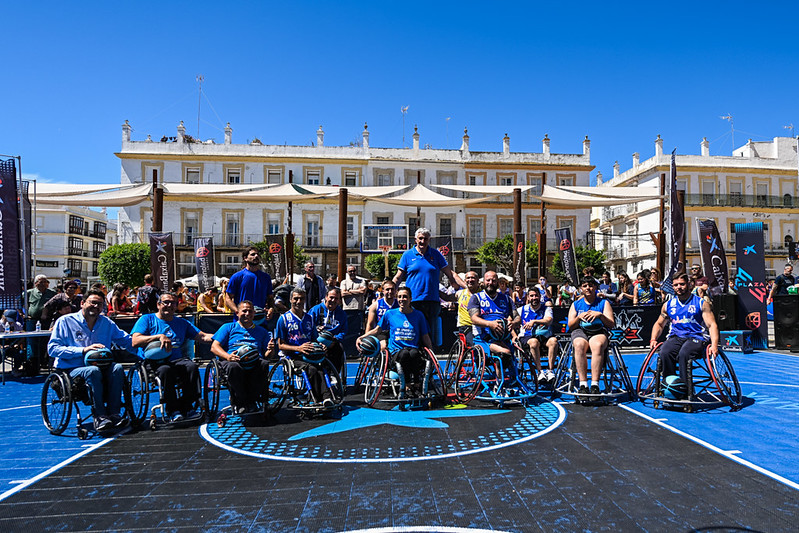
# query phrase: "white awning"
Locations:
[[484, 189], [421, 196], [174, 189], [561, 196], [69, 189], [643, 193], [355, 192], [123, 196]]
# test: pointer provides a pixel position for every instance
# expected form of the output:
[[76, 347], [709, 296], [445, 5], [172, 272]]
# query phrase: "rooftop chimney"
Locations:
[[599, 177], [415, 138], [126, 132], [636, 159], [365, 136], [546, 145], [616, 169], [506, 146], [320, 137], [465, 145], [705, 147], [658, 147], [228, 134], [181, 132], [587, 148]]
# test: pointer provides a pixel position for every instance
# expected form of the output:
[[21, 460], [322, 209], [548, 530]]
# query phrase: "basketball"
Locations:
[[370, 346], [101, 358], [317, 355], [502, 335], [674, 388], [154, 352], [248, 356], [326, 339]]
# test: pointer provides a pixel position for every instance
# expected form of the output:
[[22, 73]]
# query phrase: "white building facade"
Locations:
[[758, 183], [315, 223]]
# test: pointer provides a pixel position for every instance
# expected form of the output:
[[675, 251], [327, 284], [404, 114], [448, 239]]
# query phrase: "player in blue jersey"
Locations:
[[251, 284], [589, 320], [536, 331], [296, 338], [174, 334], [379, 308], [329, 316], [487, 310], [645, 293], [693, 325], [247, 385]]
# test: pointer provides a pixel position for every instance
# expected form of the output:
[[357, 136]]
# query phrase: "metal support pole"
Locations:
[[342, 233], [290, 235], [542, 236], [661, 241], [158, 204], [681, 207]]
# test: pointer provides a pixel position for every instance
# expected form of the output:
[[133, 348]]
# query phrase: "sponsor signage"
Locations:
[[277, 256], [714, 261], [204, 261], [10, 244], [519, 258], [750, 281], [162, 260], [567, 256]]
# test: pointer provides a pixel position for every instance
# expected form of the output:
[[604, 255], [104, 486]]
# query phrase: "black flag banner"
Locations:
[[519, 264], [750, 281], [792, 253], [204, 261], [10, 242], [676, 230], [444, 245], [277, 256], [714, 261], [162, 260], [567, 254]]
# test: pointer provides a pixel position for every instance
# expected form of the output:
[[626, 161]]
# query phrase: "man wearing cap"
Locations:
[[172, 334], [76, 334], [37, 297]]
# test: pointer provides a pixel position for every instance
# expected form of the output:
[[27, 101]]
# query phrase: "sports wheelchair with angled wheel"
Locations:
[[384, 381], [216, 379], [62, 392], [464, 368], [291, 382], [144, 381], [505, 377], [614, 383], [711, 382]]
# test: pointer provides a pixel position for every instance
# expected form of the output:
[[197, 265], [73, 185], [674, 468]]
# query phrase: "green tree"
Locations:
[[125, 263], [500, 254], [375, 264], [586, 257], [266, 258]]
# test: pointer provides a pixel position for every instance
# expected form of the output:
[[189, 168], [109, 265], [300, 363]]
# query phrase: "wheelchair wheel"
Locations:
[[526, 371], [436, 385], [277, 387], [648, 382], [56, 403], [467, 377], [212, 386], [456, 353], [334, 381], [726, 380], [137, 397], [374, 378], [565, 374], [620, 377], [363, 365]]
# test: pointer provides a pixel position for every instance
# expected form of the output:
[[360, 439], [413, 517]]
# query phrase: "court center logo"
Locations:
[[365, 435]]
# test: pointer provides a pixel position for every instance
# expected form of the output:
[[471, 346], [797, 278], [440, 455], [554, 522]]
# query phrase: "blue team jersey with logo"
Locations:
[[686, 318], [294, 330], [646, 296], [382, 307], [404, 331], [253, 286], [581, 306], [335, 322], [422, 272], [491, 309], [177, 330], [528, 313], [233, 335]]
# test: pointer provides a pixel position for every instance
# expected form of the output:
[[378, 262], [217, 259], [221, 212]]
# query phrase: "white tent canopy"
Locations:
[[123, 196], [421, 196], [70, 189], [575, 196], [648, 193]]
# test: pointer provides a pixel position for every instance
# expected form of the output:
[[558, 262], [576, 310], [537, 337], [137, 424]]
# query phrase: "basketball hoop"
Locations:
[[385, 248]]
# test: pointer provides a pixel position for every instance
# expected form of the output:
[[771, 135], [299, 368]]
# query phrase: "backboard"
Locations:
[[373, 236]]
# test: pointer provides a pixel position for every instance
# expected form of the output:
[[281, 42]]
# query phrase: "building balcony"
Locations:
[[741, 200]]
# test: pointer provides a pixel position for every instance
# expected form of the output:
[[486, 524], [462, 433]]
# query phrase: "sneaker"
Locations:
[[194, 413], [175, 416], [582, 390], [102, 423], [550, 375], [327, 402], [118, 421], [595, 389], [239, 410], [542, 377]]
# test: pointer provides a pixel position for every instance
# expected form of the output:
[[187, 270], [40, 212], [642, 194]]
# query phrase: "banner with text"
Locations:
[[205, 263], [162, 260], [444, 245], [676, 227], [519, 259], [567, 256], [714, 261], [750, 281], [276, 262], [10, 242]]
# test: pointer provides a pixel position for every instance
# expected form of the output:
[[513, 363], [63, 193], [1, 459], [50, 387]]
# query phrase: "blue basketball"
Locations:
[[317, 355], [370, 346], [248, 356], [502, 335], [674, 388], [326, 339], [154, 352], [592, 327], [101, 358]]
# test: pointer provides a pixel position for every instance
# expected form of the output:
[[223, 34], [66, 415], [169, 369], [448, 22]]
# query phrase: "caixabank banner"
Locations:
[[10, 243], [750, 281], [162, 260]]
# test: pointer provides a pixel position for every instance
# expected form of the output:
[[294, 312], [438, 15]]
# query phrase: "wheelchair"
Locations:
[[614, 383], [464, 369], [501, 382], [215, 380], [61, 392], [142, 382], [711, 382], [290, 385], [383, 383]]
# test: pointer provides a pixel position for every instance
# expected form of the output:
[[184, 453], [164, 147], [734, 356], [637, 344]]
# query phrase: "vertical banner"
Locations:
[[277, 256], [676, 229], [567, 255], [27, 231], [10, 242], [204, 261], [444, 245], [162, 260], [714, 261], [750, 281], [792, 253], [519, 259]]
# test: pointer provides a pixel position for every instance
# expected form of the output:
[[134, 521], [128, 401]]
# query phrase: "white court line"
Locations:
[[31, 481], [20, 407], [728, 454], [430, 529]]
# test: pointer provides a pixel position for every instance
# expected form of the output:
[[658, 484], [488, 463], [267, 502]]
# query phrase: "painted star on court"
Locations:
[[361, 417]]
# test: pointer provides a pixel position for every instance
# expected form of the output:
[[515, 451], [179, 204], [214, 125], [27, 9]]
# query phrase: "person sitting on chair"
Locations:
[[169, 359], [329, 316], [295, 333], [464, 296], [379, 308], [246, 378], [589, 320], [77, 334], [536, 323], [692, 325], [493, 317]]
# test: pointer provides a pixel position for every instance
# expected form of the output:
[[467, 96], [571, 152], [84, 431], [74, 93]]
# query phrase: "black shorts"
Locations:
[[582, 334]]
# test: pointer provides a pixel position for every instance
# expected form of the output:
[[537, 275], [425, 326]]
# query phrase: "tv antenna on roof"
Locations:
[[789, 127], [200, 80], [404, 111], [728, 116]]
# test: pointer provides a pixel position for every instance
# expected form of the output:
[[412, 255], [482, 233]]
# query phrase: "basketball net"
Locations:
[[385, 249]]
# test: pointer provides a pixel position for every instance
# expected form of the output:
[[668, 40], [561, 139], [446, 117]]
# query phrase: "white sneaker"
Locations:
[[542, 377], [550, 375], [175, 417]]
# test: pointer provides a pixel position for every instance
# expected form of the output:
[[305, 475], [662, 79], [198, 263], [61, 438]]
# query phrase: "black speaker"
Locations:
[[725, 309], [786, 322]]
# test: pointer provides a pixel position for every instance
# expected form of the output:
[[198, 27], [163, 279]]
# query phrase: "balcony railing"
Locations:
[[741, 200]]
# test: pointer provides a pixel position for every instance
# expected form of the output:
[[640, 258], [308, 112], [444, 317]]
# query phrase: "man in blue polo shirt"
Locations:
[[251, 284], [421, 268]]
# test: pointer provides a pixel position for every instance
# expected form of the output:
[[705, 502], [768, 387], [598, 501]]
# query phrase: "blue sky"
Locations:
[[619, 73]]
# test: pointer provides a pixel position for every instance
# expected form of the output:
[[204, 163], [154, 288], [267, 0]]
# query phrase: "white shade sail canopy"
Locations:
[[123, 196], [568, 195], [421, 196]]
